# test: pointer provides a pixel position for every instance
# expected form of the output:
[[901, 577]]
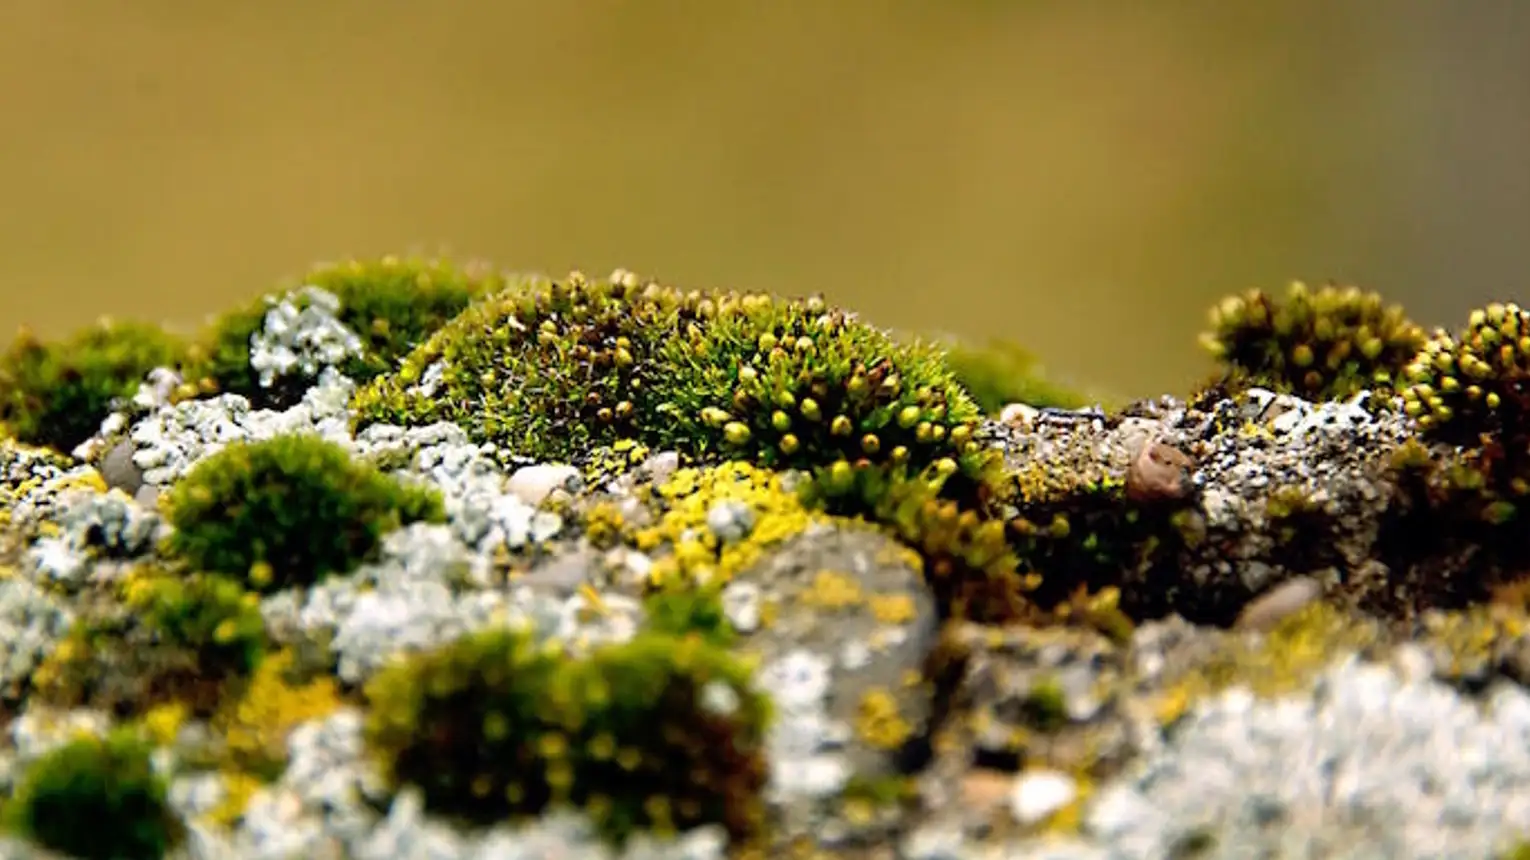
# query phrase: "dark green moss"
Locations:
[[289, 511], [394, 304], [57, 393], [96, 799], [1322, 345], [659, 733]]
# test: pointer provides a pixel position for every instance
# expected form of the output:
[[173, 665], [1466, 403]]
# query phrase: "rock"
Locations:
[[533, 484]]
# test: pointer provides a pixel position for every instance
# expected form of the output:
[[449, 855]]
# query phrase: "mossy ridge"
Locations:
[[392, 303], [553, 369], [658, 733], [1327, 344], [289, 510], [57, 393]]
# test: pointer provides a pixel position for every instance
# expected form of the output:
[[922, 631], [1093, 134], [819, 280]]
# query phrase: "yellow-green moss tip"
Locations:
[[1324, 344]]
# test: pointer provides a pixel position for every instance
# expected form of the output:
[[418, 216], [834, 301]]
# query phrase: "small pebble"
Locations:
[[533, 484], [1040, 793]]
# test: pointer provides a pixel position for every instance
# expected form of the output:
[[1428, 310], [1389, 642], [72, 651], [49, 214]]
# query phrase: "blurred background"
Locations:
[[1084, 178]]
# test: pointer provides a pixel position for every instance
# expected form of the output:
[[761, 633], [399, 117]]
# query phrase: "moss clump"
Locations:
[[161, 636], [685, 610], [999, 372], [1463, 484], [658, 733], [1474, 388], [288, 511], [1322, 345], [393, 304], [553, 369], [57, 393], [96, 799]]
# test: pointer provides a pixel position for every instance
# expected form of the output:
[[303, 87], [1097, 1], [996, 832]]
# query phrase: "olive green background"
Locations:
[[1085, 177]]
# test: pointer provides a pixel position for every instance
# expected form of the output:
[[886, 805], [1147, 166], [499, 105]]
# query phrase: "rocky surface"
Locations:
[[1334, 720]]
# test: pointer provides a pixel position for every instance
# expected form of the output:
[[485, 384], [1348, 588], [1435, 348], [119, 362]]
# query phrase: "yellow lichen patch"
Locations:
[[255, 726], [697, 555], [163, 722], [1291, 655], [238, 788], [878, 722], [832, 590], [1467, 640], [893, 608]]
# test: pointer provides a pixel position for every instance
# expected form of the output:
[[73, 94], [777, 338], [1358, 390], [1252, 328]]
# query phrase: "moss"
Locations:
[[999, 372], [1462, 487], [1081, 534], [162, 637], [552, 369], [658, 733], [1326, 344], [393, 304], [97, 799], [288, 511], [58, 393], [965, 553], [1303, 527]]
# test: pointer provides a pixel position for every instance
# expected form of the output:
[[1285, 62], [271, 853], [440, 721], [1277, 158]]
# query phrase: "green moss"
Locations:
[[1476, 383], [163, 636], [1000, 372], [1466, 481], [96, 799], [658, 733], [1322, 345], [57, 393], [289, 511], [394, 304]]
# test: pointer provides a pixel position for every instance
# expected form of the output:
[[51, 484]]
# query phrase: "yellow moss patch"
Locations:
[[238, 788], [893, 608]]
